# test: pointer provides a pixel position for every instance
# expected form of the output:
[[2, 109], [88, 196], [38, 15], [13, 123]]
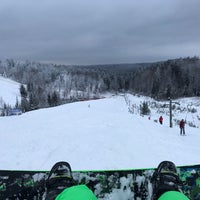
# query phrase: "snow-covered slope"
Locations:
[[98, 134], [9, 91]]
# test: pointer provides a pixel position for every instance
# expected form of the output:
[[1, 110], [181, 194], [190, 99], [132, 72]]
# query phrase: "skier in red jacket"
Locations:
[[161, 119], [182, 127]]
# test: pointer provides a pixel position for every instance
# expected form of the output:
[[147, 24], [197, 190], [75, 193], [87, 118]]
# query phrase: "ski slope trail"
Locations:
[[93, 135], [9, 91]]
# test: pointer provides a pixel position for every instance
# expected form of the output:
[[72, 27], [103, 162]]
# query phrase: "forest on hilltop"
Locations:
[[45, 85]]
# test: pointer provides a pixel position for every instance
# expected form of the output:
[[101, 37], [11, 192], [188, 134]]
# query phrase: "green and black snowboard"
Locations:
[[129, 184]]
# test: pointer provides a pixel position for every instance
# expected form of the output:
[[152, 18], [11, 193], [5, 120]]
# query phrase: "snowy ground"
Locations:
[[9, 91], [98, 134]]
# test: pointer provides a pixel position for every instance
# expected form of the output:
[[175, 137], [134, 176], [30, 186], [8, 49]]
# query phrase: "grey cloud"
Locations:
[[92, 32]]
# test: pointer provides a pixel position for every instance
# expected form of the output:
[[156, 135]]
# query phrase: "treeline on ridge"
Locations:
[[45, 85]]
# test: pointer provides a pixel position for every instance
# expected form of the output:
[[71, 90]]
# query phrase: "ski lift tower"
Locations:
[[170, 111]]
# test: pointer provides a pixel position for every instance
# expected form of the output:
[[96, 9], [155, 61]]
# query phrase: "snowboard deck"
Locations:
[[110, 184]]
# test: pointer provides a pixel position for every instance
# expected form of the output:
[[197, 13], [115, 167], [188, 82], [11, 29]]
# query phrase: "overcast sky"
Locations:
[[99, 31]]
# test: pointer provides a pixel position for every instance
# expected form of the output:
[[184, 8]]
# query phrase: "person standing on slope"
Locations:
[[161, 120], [182, 127]]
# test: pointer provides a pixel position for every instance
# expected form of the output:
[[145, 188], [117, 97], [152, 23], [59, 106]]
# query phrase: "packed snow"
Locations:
[[109, 133]]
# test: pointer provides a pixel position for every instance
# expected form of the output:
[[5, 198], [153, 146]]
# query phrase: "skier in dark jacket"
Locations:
[[182, 127]]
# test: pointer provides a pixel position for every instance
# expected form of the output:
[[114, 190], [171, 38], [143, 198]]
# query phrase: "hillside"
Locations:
[[97, 134], [9, 91]]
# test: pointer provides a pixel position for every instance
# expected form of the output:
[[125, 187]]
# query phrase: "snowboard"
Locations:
[[124, 184]]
